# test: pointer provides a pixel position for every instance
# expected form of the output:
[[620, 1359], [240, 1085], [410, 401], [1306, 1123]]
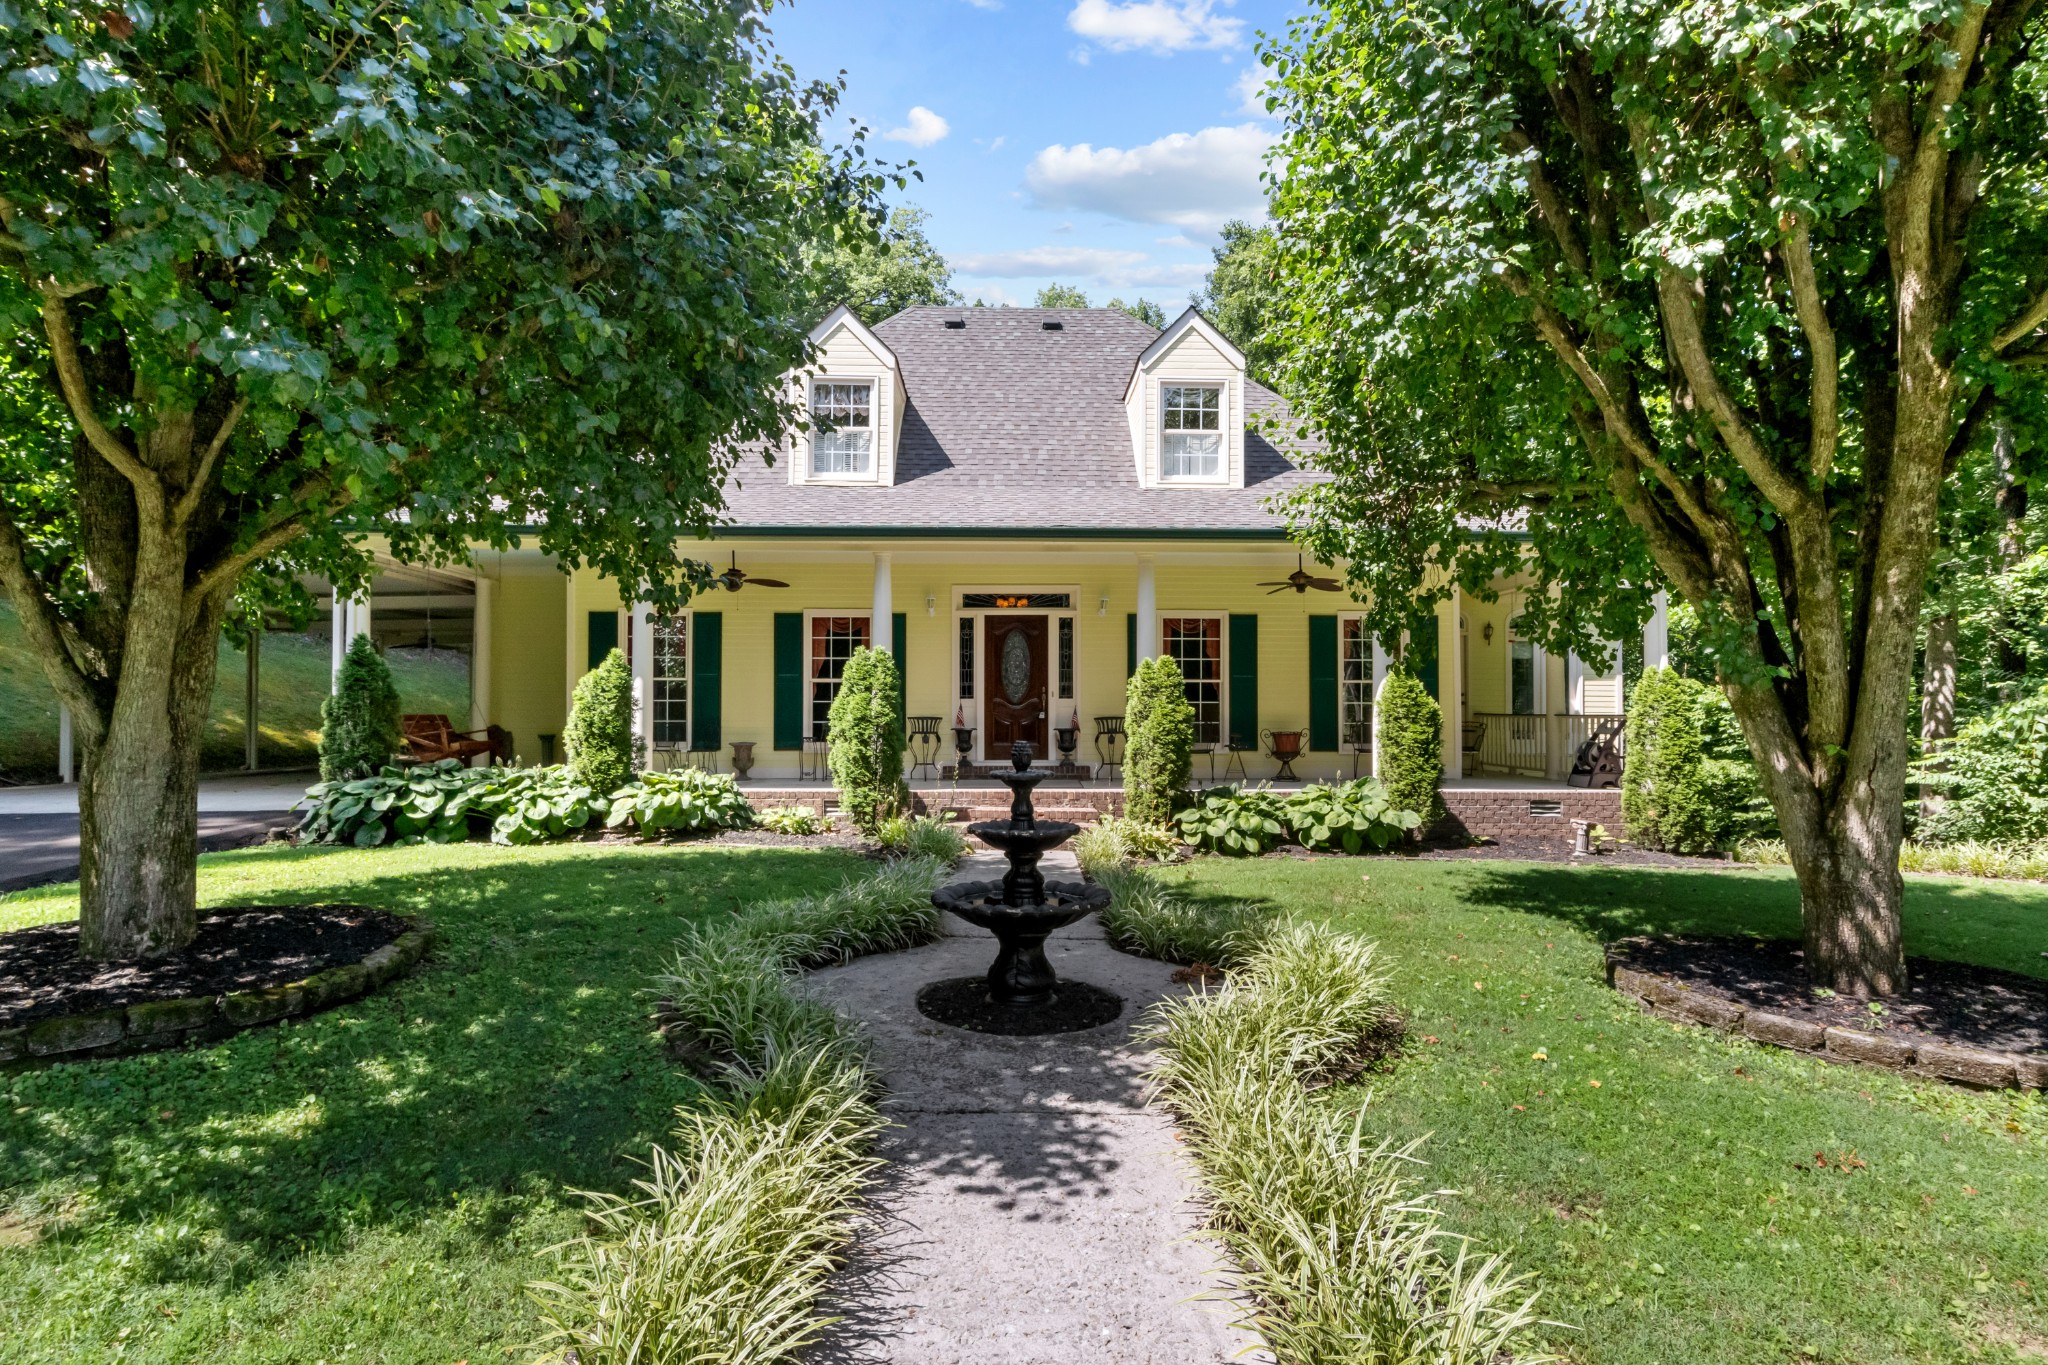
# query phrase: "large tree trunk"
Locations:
[[1850, 896], [138, 791]]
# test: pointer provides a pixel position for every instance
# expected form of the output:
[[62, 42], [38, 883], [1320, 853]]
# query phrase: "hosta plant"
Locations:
[[687, 801], [527, 805], [1346, 819], [429, 802], [1245, 821], [793, 820]]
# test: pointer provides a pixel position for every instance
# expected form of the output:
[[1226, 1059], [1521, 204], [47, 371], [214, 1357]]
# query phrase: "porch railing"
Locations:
[[1538, 746]]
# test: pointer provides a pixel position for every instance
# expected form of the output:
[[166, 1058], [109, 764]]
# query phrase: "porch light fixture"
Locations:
[[931, 605], [1102, 605], [1486, 632]]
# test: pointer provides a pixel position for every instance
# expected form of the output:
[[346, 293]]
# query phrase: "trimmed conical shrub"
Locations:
[[359, 729], [866, 753], [1159, 740], [1411, 760], [599, 737]]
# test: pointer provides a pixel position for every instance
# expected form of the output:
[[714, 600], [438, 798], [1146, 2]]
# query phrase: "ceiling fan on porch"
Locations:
[[735, 578], [1301, 580]]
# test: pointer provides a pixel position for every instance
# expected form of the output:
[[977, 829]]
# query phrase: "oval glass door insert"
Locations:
[[1016, 666]]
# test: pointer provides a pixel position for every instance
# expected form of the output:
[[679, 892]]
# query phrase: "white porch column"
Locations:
[[569, 648], [881, 635], [1148, 610], [480, 657], [1450, 673], [1657, 635], [65, 771], [641, 625], [339, 629], [1379, 681], [362, 618]]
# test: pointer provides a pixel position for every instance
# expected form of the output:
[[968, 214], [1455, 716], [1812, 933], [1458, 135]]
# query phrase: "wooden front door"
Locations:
[[1013, 679]]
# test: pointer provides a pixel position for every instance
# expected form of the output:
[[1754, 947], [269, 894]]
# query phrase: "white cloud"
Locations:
[[1193, 181], [921, 129], [1098, 265], [986, 4], [1157, 26], [994, 295], [1250, 90]]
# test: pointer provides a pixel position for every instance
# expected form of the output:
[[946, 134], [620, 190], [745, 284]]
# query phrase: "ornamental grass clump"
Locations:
[[867, 741], [1117, 839], [719, 1256], [359, 729], [922, 836], [1146, 917], [1338, 1244], [598, 740]]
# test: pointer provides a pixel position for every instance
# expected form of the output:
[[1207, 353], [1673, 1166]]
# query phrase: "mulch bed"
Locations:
[[239, 948], [1948, 1002]]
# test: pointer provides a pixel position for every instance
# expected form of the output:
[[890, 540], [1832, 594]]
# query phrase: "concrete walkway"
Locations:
[[1034, 1210]]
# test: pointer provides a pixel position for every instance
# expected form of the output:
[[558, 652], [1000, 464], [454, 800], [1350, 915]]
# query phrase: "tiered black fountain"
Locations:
[[1021, 994]]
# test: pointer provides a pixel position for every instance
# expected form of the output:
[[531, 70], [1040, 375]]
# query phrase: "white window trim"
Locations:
[[1221, 478], [970, 708], [1373, 685], [685, 617], [1541, 664], [810, 660], [873, 473], [1222, 619]]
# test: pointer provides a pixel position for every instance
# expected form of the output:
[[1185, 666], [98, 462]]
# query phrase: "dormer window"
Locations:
[[1191, 446], [843, 442]]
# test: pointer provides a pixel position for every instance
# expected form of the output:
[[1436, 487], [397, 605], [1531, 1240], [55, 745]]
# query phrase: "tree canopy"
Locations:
[[1061, 296], [280, 274], [878, 274], [1717, 297], [1242, 295]]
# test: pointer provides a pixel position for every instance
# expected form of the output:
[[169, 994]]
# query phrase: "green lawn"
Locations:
[[1674, 1211], [292, 682], [380, 1182]]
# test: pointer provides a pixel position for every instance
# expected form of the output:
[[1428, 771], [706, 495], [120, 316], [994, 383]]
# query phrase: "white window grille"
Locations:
[[833, 640], [1192, 443], [671, 681], [1196, 644], [842, 443]]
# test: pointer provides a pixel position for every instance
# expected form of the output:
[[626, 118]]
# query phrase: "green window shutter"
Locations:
[[707, 663], [1130, 645], [1244, 682], [789, 680], [1322, 682], [899, 630], [604, 635]]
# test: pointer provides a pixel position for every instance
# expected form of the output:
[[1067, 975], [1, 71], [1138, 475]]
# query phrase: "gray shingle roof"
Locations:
[[1008, 424]]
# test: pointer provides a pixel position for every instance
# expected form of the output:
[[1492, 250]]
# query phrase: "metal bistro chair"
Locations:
[[1237, 749], [1358, 735], [924, 745], [1109, 747], [810, 760]]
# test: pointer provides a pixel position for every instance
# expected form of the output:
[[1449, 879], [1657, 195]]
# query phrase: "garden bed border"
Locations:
[[155, 1025], [1979, 1067]]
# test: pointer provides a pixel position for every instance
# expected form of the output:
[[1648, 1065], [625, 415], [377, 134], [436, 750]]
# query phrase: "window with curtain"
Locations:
[[671, 680], [1191, 445], [833, 640], [843, 442], [1196, 644]]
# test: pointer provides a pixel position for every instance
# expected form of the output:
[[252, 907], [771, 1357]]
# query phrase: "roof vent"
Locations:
[[1053, 326], [956, 324]]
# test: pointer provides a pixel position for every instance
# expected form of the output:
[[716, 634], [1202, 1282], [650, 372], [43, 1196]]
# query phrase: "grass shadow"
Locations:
[[517, 1062]]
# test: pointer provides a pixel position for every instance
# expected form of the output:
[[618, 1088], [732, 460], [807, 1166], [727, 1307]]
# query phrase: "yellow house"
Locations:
[[1020, 504]]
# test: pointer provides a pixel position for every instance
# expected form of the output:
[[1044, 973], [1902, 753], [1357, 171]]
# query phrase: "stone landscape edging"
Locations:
[[1981, 1067], [154, 1025]]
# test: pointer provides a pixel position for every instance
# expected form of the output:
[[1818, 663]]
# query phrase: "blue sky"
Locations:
[[1100, 143]]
